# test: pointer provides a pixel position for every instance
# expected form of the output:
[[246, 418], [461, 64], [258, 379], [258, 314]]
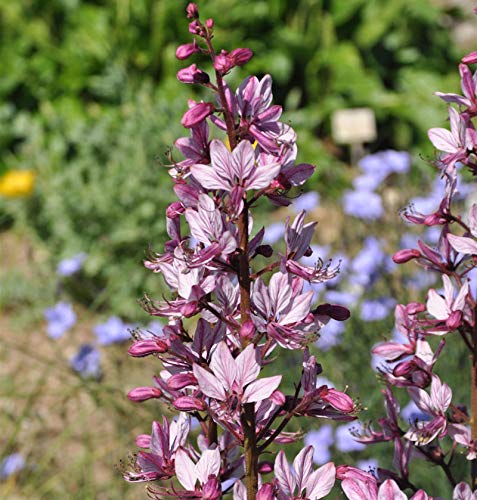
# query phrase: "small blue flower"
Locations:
[[307, 201], [274, 232], [11, 464], [398, 162], [363, 204], [366, 264], [87, 362], [68, 267], [376, 310], [60, 318], [345, 441], [412, 412], [321, 440], [368, 465], [112, 331], [367, 182], [342, 298]]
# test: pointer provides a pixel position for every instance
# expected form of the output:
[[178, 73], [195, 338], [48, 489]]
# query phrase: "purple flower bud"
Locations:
[[142, 348], [192, 11], [278, 398], [406, 255], [209, 23], [265, 250], [241, 56], [192, 74], [265, 492], [140, 394], [174, 210], [265, 467], [189, 309], [339, 400], [195, 28], [186, 50], [143, 440], [211, 489], [189, 403], [334, 311], [181, 380], [222, 63], [198, 113], [454, 320], [470, 58], [415, 308], [247, 330]]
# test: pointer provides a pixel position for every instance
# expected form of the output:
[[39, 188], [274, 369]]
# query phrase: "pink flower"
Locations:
[[195, 477]]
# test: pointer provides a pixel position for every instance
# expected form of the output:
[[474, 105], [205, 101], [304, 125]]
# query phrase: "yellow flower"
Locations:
[[16, 183]]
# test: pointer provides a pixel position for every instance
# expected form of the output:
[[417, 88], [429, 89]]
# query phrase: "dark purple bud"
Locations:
[[197, 114], [241, 56], [186, 50], [192, 11], [181, 380], [421, 379], [142, 348], [308, 252], [223, 63], [265, 467], [174, 210], [192, 74], [140, 394], [247, 330], [189, 403], [334, 311], [265, 250], [454, 320], [406, 255]]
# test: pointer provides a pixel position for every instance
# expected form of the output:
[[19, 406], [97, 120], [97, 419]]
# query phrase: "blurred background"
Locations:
[[89, 104]]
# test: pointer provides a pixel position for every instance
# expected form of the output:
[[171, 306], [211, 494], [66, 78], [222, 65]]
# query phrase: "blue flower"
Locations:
[[11, 464], [87, 362], [330, 335], [368, 465], [376, 310], [363, 204], [366, 182], [366, 264], [68, 267], [60, 318], [321, 440], [112, 331], [412, 412], [345, 441], [307, 201], [342, 298], [274, 232]]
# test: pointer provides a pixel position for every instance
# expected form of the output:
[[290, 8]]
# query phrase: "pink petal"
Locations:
[[261, 389], [209, 384]]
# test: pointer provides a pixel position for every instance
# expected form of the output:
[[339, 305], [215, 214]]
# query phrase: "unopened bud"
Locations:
[[265, 467], [470, 58], [339, 400], [247, 330], [181, 380], [143, 440], [140, 394], [209, 23], [415, 308], [186, 50], [197, 114], [192, 11], [189, 403], [454, 320], [406, 255], [265, 250], [142, 348], [192, 74]]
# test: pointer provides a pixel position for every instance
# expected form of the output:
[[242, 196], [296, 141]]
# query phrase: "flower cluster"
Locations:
[[246, 301]]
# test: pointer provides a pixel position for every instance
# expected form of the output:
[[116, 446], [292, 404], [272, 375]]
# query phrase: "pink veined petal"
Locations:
[[448, 290], [443, 140], [223, 365], [243, 160], [247, 366], [467, 81], [422, 400], [240, 492], [302, 466], [300, 307], [321, 482], [209, 384], [208, 464], [389, 490], [463, 244], [262, 176], [220, 158], [185, 470], [458, 99], [359, 490], [283, 474], [436, 305], [455, 123], [441, 394], [280, 291], [208, 178], [261, 389], [420, 495], [459, 301], [462, 492]]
